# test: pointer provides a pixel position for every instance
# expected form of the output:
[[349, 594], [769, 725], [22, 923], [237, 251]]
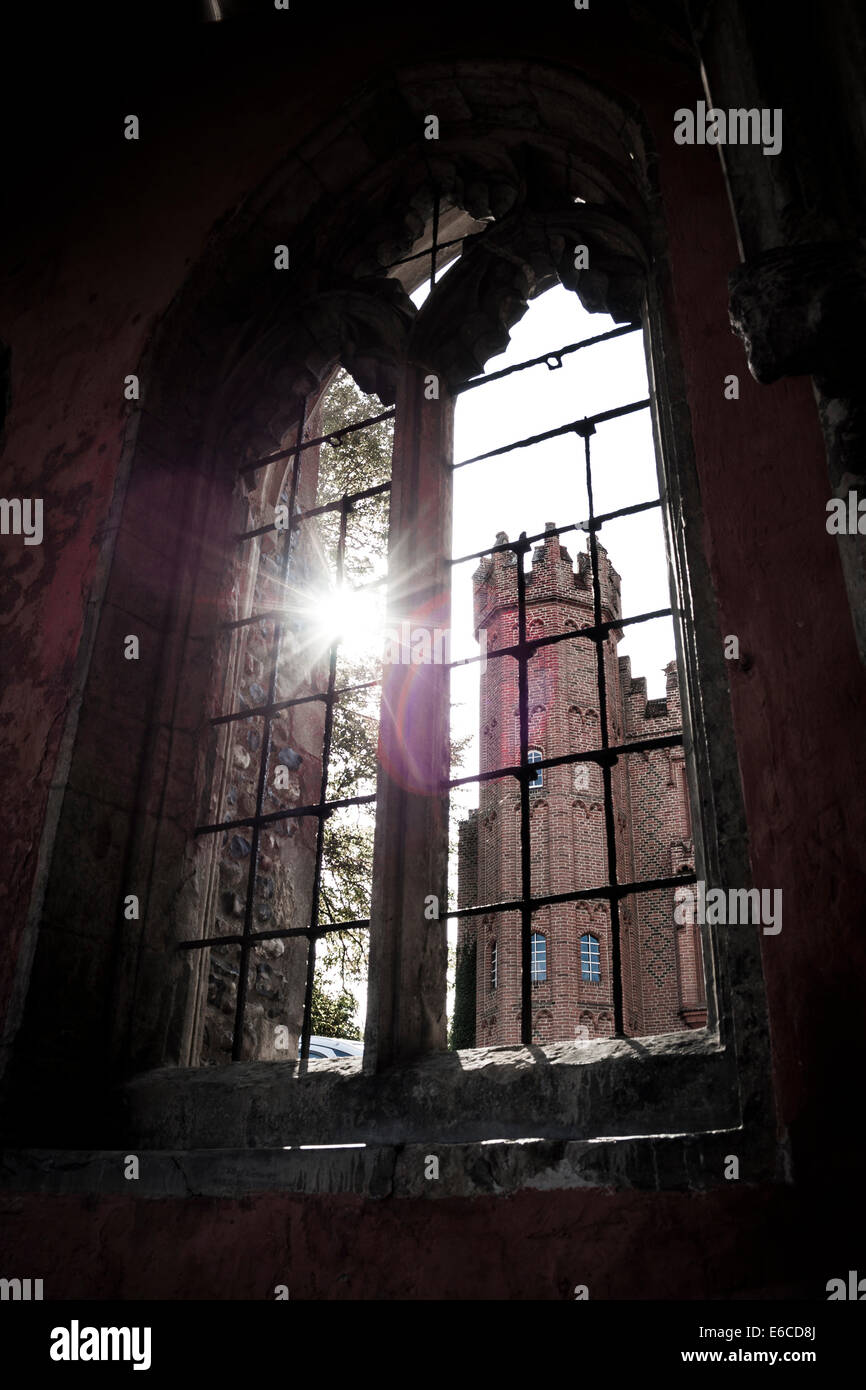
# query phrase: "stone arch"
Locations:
[[347, 218], [538, 725]]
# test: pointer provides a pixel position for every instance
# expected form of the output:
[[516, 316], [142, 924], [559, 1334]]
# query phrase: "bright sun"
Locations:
[[356, 616]]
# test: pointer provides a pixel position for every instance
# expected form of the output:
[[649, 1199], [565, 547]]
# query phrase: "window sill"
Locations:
[[597, 1090], [667, 1162]]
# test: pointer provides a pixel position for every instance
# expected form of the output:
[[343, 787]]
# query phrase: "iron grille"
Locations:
[[605, 756]]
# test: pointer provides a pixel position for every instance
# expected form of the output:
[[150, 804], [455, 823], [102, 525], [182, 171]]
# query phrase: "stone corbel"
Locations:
[[800, 309]]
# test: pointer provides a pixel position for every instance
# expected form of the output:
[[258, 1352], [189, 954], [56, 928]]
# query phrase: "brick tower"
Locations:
[[663, 984]]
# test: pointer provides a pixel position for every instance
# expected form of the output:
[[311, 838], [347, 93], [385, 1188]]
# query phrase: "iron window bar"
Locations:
[[257, 711], [277, 934], [620, 890], [562, 530], [331, 438], [316, 808], [307, 1018], [421, 255], [613, 624], [547, 357], [333, 506], [588, 423], [593, 755]]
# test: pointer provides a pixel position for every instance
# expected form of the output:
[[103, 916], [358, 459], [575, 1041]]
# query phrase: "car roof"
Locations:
[[336, 1047]]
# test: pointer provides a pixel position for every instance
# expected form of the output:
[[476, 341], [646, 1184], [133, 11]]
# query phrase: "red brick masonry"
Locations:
[[663, 982]]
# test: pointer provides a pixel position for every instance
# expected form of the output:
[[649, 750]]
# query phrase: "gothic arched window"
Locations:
[[236, 417]]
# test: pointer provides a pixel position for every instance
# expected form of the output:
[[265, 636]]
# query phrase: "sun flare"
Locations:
[[354, 616]]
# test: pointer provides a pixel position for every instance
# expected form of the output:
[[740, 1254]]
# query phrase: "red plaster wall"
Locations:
[[739, 1242], [779, 587]]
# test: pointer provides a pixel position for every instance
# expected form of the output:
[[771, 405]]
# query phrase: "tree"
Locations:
[[333, 1014], [362, 460]]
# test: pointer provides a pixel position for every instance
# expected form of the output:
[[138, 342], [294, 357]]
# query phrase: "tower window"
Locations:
[[590, 967], [539, 958], [535, 756], [494, 966]]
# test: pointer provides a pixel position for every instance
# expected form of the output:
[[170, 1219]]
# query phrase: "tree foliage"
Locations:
[[463, 1020], [333, 1014]]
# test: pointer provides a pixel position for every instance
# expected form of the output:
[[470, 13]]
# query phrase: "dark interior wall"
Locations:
[[538, 1245], [778, 583], [102, 236]]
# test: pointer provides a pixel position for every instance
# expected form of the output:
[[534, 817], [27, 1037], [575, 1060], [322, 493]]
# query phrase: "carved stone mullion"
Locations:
[[406, 1001]]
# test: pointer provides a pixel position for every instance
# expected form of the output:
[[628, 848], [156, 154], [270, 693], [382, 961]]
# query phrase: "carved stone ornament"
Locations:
[[799, 309]]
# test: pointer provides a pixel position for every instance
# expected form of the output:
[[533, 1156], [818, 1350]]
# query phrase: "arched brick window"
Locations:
[[590, 959], [536, 756], [539, 957]]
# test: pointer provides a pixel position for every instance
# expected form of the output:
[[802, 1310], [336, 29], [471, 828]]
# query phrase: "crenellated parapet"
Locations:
[[641, 714], [552, 577]]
